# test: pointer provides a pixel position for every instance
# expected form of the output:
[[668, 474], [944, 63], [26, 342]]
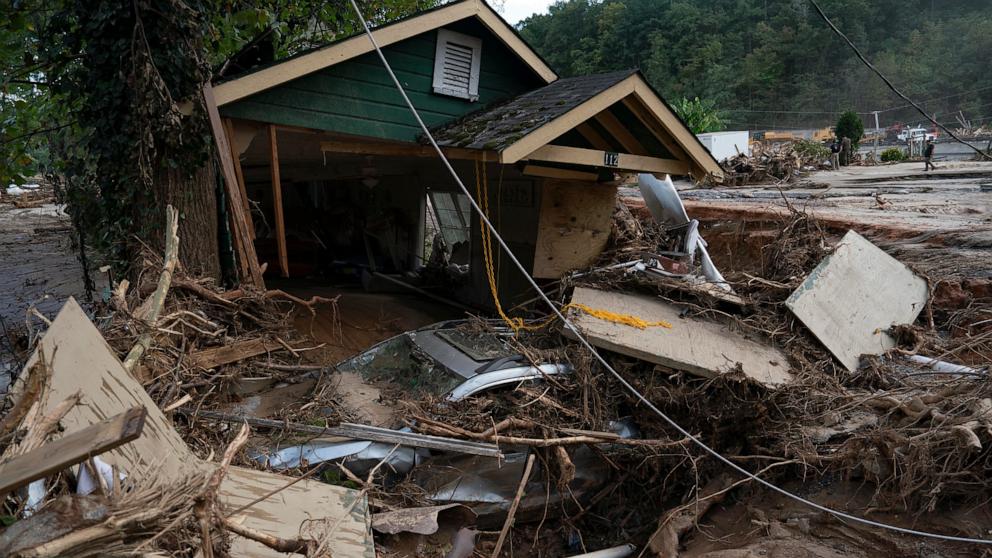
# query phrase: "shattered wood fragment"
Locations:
[[37, 378], [72, 449], [513, 507], [153, 306], [227, 354], [676, 523], [83, 361]]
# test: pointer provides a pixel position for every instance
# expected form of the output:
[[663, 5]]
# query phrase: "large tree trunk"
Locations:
[[195, 196]]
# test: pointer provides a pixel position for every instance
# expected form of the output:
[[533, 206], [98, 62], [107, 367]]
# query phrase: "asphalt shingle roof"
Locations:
[[499, 126]]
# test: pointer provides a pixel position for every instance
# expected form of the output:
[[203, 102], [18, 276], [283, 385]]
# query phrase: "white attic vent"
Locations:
[[456, 65]]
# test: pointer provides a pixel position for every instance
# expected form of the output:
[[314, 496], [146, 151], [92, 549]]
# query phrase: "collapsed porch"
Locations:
[[382, 212]]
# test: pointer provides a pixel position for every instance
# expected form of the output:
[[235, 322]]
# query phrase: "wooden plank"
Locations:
[[551, 130], [595, 158], [620, 132], [294, 507], [365, 147], [244, 248], [226, 354], [72, 449], [277, 202], [854, 295], [699, 347], [82, 361], [239, 173], [574, 226], [563, 174], [364, 432], [358, 45]]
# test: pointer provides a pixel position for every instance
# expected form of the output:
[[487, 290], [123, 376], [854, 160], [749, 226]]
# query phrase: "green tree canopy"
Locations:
[[849, 125], [771, 65]]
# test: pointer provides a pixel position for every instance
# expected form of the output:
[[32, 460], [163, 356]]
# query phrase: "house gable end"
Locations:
[[358, 97]]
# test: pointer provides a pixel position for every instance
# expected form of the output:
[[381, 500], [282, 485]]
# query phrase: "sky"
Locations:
[[514, 11]]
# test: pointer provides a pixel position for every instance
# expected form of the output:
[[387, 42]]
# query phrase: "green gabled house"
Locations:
[[336, 173]]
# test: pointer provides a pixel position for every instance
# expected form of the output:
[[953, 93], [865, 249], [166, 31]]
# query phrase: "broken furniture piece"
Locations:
[[854, 296], [696, 346], [80, 360]]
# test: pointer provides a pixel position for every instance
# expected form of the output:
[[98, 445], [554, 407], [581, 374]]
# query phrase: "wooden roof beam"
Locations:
[[597, 158], [405, 150], [555, 128], [593, 137], [659, 133], [620, 132]]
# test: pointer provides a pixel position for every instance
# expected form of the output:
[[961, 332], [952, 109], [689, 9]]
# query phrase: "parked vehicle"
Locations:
[[915, 133]]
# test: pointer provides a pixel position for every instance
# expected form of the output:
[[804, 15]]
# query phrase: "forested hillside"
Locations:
[[775, 63]]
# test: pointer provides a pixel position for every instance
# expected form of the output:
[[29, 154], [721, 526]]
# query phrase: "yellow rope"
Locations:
[[518, 324], [626, 319]]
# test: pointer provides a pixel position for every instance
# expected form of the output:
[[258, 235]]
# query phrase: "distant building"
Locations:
[[723, 145]]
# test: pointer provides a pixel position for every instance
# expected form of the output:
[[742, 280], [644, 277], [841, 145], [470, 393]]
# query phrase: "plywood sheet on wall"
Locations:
[[574, 226]]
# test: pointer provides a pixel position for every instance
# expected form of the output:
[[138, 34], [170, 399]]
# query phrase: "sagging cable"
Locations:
[[578, 335]]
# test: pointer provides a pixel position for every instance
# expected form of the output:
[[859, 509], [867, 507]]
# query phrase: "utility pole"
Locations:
[[877, 131]]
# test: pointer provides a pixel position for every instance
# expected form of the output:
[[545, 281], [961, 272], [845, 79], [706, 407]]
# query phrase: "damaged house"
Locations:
[[330, 175]]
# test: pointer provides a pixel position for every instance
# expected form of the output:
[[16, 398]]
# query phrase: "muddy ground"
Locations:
[[38, 268]]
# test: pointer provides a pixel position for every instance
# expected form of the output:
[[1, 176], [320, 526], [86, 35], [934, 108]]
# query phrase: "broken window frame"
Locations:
[[457, 204]]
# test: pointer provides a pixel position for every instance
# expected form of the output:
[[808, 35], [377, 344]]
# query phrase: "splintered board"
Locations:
[[80, 360], [699, 347], [854, 296], [576, 218]]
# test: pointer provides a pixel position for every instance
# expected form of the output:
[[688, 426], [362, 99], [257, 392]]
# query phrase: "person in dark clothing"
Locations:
[[928, 156], [835, 154]]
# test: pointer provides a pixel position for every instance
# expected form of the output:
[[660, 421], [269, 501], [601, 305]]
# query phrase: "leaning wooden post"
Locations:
[[249, 271], [164, 281], [277, 203]]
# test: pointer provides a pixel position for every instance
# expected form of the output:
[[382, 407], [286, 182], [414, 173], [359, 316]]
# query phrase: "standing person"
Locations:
[[928, 156], [835, 154], [845, 151]]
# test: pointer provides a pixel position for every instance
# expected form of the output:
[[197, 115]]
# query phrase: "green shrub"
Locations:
[[849, 125], [893, 154], [809, 149], [700, 116]]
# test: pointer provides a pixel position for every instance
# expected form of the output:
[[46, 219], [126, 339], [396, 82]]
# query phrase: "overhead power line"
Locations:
[[599, 358], [857, 51], [890, 109]]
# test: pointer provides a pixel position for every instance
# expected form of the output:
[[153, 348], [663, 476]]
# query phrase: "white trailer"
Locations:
[[723, 145]]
